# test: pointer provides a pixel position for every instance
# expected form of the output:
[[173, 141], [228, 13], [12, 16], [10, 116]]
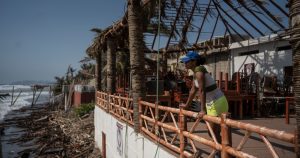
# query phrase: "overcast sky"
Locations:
[[40, 38]]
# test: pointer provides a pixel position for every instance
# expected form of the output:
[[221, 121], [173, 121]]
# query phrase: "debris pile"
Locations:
[[54, 133]]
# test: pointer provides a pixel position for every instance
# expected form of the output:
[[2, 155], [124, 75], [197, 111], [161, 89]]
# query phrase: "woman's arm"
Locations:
[[192, 93], [200, 76]]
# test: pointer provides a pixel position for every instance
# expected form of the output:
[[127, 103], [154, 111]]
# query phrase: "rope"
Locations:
[[157, 70], [158, 46]]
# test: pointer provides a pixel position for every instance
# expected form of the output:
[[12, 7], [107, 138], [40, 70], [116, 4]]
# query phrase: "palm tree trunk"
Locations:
[[295, 42], [111, 66], [98, 71], [136, 56], [103, 71]]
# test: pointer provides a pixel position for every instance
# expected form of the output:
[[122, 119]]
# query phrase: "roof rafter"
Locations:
[[242, 2], [268, 13], [218, 6], [242, 16]]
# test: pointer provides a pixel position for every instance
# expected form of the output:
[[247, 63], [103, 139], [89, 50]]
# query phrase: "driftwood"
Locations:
[[54, 133]]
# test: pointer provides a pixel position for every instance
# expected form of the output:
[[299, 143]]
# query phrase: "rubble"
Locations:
[[54, 133]]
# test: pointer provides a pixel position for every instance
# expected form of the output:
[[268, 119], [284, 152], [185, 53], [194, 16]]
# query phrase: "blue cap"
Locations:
[[191, 55]]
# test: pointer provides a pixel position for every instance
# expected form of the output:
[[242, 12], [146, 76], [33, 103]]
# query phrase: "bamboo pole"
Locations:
[[156, 119], [38, 96], [280, 135], [140, 113], [33, 95], [163, 125], [17, 98], [244, 140], [161, 141], [12, 95], [163, 108], [269, 146], [216, 146], [225, 135], [181, 136]]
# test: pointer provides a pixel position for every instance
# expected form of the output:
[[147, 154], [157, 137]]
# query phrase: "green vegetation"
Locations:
[[84, 109]]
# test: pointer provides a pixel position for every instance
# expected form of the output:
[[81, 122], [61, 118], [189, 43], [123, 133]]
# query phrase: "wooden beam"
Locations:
[[226, 23], [231, 18], [268, 13], [242, 3], [242, 16], [203, 21], [174, 23], [278, 7], [188, 23]]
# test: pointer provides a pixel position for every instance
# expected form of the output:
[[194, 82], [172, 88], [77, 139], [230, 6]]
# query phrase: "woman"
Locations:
[[210, 95], [216, 102]]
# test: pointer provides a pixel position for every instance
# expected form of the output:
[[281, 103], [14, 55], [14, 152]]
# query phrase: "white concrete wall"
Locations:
[[267, 62], [133, 145]]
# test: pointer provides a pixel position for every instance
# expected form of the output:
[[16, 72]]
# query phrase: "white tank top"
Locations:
[[209, 81]]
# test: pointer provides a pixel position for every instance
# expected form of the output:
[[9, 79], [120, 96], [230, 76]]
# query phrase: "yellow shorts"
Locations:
[[217, 107]]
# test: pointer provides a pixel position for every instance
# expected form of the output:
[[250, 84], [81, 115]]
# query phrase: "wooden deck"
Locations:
[[254, 145]]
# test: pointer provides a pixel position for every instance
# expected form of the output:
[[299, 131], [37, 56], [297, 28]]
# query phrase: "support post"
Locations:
[[156, 119], [111, 66], [238, 83], [140, 113], [220, 79], [294, 21], [181, 136], [226, 82], [98, 71], [226, 136]]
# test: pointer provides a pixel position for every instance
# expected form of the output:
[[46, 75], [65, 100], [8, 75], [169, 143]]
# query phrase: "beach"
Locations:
[[44, 130]]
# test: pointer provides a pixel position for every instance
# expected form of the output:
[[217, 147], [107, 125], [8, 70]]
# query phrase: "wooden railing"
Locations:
[[169, 128], [119, 106]]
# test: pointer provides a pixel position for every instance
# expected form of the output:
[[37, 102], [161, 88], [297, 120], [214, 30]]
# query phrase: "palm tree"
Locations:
[[122, 67], [60, 81], [95, 52], [111, 66], [295, 42], [139, 15], [135, 27], [70, 74]]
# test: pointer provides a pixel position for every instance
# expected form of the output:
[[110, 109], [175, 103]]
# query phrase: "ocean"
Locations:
[[25, 98]]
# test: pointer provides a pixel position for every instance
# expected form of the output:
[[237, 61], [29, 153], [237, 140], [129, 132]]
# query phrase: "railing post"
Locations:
[[140, 114], [181, 136], [156, 119], [108, 102], [226, 136]]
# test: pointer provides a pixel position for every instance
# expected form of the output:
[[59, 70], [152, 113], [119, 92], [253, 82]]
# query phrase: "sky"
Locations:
[[40, 38]]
